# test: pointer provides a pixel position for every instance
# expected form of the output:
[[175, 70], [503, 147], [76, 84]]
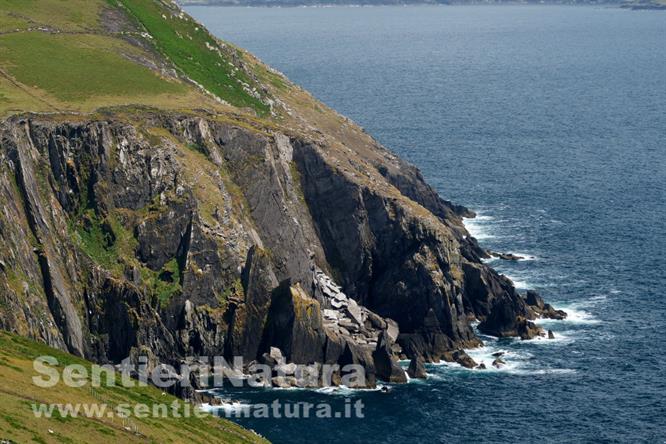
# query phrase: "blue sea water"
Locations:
[[550, 122]]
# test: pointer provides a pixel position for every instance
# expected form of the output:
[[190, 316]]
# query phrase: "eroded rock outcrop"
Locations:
[[192, 235]]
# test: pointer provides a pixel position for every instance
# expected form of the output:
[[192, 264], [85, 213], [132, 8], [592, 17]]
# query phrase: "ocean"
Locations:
[[550, 123]]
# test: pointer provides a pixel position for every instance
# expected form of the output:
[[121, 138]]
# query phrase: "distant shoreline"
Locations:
[[260, 4]]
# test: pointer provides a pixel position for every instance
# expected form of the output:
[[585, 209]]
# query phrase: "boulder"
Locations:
[[386, 365], [392, 330], [284, 381], [331, 314], [534, 299], [506, 256], [286, 369], [374, 321], [498, 363], [551, 335], [528, 329], [276, 354], [538, 306], [481, 366], [359, 356], [509, 317], [273, 357], [417, 368], [550, 312], [354, 312], [463, 359]]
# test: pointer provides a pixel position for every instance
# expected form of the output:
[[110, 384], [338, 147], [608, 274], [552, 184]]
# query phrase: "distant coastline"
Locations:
[[633, 5]]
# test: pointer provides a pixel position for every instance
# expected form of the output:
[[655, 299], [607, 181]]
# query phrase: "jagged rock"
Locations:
[[375, 321], [534, 299], [509, 318], [162, 234], [498, 363], [354, 312], [386, 365], [348, 325], [286, 369], [481, 366], [295, 325], [527, 329], [276, 355], [417, 368], [201, 330], [506, 256], [551, 313], [536, 303], [357, 355], [463, 359], [284, 381], [309, 375], [392, 330], [331, 314], [248, 320], [551, 335], [273, 357]]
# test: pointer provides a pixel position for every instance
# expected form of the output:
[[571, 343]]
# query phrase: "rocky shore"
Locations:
[[182, 235]]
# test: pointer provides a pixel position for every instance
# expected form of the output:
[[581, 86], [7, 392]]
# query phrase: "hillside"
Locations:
[[166, 193], [18, 395]]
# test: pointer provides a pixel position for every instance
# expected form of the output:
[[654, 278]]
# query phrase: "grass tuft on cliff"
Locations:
[[19, 424]]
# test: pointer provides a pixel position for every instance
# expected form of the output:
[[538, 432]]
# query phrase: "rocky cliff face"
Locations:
[[204, 235]]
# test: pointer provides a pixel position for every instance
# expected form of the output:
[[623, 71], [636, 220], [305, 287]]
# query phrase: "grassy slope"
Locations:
[[74, 70], [193, 50], [62, 55], [18, 393]]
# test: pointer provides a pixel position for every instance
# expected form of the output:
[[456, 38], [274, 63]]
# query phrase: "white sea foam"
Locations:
[[575, 315], [578, 316], [561, 337], [226, 406], [478, 227], [343, 390], [542, 371], [516, 362], [520, 285], [524, 256]]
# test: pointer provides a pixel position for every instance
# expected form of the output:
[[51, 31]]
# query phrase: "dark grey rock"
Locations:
[[417, 368], [386, 365]]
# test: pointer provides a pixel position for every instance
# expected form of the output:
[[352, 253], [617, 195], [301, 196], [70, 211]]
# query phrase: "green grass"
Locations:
[[19, 424], [105, 241], [188, 46], [110, 244], [64, 15], [164, 284], [84, 66], [72, 68]]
